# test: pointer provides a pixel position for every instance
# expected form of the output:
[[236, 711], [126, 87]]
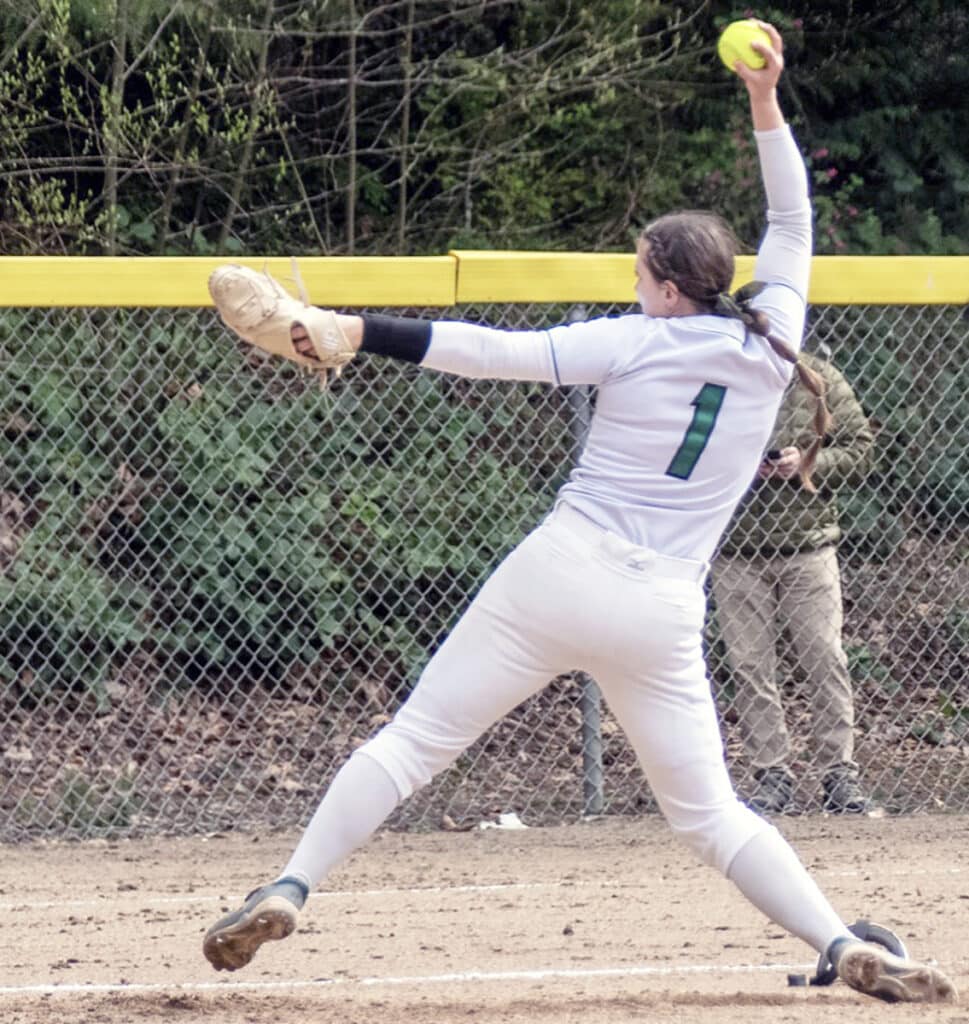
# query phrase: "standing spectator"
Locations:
[[777, 570]]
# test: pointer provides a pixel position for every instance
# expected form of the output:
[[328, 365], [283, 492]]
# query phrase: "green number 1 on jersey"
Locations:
[[707, 407]]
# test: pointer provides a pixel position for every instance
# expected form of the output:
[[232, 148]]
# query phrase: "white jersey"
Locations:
[[685, 405]]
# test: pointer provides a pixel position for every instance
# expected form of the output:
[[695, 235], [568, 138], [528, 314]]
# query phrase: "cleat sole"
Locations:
[[892, 979], [233, 942]]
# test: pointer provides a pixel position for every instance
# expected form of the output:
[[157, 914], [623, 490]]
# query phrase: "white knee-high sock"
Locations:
[[360, 797], [767, 871]]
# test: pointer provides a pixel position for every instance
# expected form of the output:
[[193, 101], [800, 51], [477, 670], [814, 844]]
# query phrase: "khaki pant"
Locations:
[[758, 598]]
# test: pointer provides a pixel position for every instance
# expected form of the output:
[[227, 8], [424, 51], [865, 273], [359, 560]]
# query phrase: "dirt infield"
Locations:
[[607, 921]]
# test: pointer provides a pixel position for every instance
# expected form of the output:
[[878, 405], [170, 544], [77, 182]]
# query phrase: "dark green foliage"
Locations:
[[102, 805], [242, 524], [865, 669], [415, 126], [167, 501], [900, 362], [879, 90]]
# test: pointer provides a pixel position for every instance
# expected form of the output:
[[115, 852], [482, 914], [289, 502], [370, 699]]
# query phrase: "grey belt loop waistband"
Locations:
[[626, 552]]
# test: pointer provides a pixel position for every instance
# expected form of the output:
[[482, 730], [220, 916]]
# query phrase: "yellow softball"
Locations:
[[734, 44]]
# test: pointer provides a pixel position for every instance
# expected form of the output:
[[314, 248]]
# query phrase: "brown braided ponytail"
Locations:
[[695, 250], [738, 307]]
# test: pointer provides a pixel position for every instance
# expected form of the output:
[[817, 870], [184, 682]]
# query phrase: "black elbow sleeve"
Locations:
[[398, 337]]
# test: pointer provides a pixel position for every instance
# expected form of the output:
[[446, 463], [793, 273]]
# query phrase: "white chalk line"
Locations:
[[458, 977], [132, 895]]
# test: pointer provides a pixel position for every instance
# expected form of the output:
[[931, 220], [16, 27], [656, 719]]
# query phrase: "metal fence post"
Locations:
[[590, 699]]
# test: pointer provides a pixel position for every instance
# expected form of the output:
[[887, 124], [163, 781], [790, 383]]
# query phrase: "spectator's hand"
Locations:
[[783, 468]]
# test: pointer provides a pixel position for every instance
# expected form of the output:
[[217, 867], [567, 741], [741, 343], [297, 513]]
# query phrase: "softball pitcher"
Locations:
[[612, 581]]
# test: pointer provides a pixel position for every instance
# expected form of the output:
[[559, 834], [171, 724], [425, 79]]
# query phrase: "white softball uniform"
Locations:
[[612, 581]]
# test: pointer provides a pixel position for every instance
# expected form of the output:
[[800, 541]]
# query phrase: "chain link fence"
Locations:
[[218, 579]]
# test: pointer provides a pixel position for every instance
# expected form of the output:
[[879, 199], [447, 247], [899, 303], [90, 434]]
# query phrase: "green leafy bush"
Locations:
[[900, 363], [240, 524], [222, 518]]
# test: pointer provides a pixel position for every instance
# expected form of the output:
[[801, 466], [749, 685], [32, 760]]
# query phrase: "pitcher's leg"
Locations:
[[358, 800], [671, 722], [528, 624], [491, 662], [770, 875], [486, 667]]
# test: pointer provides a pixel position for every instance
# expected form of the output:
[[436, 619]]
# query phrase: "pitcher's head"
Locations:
[[684, 261]]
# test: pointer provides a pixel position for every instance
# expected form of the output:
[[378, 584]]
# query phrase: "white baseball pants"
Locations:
[[572, 596]]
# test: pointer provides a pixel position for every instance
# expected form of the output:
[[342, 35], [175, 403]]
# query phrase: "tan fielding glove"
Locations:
[[260, 311]]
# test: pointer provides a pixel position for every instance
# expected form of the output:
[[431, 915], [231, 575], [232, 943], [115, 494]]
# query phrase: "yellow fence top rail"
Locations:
[[889, 280], [181, 281], [441, 281], [485, 276]]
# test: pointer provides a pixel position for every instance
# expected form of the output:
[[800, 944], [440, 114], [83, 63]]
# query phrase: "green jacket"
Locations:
[[779, 516]]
